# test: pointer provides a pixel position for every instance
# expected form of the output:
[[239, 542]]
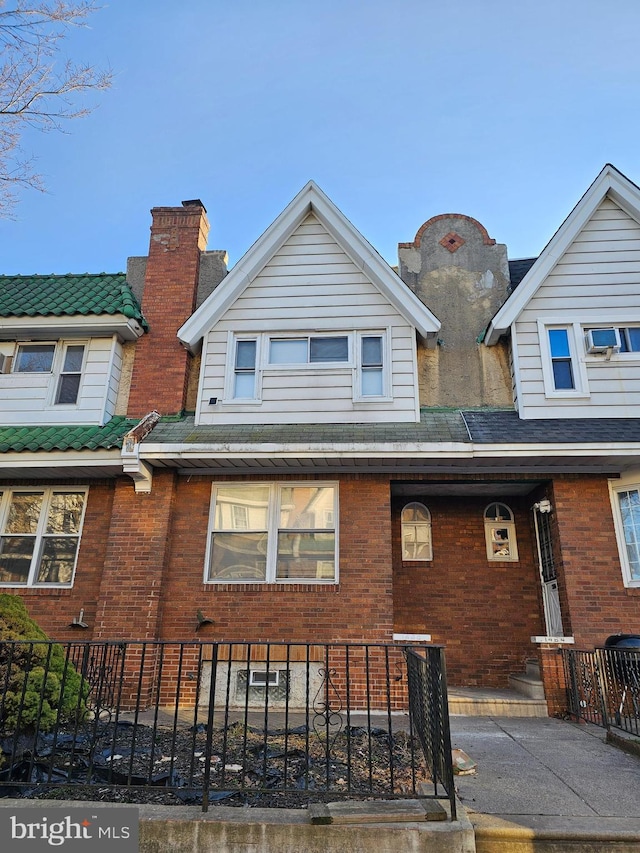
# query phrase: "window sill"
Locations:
[[282, 586]]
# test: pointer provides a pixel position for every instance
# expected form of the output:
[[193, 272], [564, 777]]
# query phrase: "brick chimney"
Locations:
[[161, 366]]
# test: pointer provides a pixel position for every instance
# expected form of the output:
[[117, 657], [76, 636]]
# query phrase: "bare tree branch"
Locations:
[[38, 88]]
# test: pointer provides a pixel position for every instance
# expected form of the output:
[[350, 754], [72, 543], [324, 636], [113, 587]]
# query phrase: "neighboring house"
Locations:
[[345, 452]]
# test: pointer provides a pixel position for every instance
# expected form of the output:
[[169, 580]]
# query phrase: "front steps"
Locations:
[[524, 698]]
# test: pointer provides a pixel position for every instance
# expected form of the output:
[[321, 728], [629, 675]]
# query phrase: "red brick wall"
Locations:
[[358, 608], [590, 576], [160, 370], [485, 613], [135, 561]]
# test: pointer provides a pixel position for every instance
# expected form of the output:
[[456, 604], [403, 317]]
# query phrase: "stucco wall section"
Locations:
[[463, 283]]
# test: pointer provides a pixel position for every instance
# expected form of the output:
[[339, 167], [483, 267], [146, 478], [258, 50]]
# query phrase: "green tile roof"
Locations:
[[34, 438], [66, 295]]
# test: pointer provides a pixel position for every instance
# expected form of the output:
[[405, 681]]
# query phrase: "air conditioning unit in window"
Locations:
[[602, 340]]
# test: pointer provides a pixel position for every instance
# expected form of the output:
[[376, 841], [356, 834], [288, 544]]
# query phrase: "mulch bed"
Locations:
[[127, 763]]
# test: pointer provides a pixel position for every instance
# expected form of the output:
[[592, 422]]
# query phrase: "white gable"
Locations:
[[593, 283], [309, 200], [610, 184], [310, 289]]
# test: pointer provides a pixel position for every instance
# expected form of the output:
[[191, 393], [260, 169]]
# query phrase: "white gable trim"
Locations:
[[310, 199], [610, 182]]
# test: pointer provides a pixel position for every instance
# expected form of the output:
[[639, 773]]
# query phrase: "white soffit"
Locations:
[[310, 199], [609, 182]]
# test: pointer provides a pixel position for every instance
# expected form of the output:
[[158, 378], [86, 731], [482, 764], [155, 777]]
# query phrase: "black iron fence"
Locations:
[[603, 687], [278, 724]]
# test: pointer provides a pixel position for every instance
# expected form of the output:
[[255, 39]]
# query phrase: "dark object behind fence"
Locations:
[[603, 685]]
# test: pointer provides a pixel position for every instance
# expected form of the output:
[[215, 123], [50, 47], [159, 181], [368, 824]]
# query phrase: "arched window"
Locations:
[[500, 533], [416, 532]]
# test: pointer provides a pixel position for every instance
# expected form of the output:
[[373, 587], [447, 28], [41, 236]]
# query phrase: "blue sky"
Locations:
[[501, 110]]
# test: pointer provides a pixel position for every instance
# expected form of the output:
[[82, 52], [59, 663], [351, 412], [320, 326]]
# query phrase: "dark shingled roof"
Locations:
[[518, 269], [503, 427], [435, 425], [43, 438], [66, 295]]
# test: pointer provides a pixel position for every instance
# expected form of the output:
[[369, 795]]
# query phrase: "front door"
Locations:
[[548, 575]]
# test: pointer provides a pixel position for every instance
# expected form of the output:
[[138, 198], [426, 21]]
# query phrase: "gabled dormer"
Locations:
[[311, 326], [61, 347], [574, 319]]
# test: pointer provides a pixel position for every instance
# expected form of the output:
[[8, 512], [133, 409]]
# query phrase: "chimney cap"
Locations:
[[194, 202]]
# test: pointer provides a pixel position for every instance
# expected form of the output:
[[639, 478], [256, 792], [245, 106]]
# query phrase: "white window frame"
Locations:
[[358, 396], [628, 483], [275, 490], [426, 525], [59, 371], [352, 364], [230, 372], [40, 535], [510, 525], [57, 368], [576, 354], [308, 365]]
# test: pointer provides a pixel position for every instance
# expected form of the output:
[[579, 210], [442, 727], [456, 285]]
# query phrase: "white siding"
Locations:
[[310, 286], [595, 282], [26, 399]]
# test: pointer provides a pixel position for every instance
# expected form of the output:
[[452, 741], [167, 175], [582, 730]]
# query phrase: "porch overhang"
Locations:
[[390, 458]]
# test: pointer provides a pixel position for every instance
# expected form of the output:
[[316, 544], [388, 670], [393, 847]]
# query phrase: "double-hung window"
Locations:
[[561, 361], [70, 375], [273, 532], [39, 536], [63, 361], [244, 375], [563, 364]]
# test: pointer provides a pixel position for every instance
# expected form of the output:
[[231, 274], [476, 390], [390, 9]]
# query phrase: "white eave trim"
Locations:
[[310, 199], [90, 325], [609, 182], [404, 450], [44, 459]]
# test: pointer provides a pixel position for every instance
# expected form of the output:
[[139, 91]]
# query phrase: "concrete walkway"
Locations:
[[546, 784]]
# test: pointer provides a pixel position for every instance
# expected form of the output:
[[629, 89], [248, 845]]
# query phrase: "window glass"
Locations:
[[416, 532], [34, 358], [563, 378], [371, 375], [73, 359], [288, 351], [40, 537], [629, 502], [68, 388], [244, 387], [371, 351], [500, 533], [65, 512], [273, 532], [246, 355], [630, 339], [24, 512], [329, 349]]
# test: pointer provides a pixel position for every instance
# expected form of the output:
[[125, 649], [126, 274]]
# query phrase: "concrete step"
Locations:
[[480, 702], [528, 685]]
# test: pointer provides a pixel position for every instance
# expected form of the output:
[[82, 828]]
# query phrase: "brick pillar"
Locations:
[[137, 552], [160, 370]]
